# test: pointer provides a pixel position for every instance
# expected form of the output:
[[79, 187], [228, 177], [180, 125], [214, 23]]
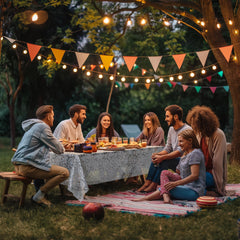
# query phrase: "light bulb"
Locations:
[[34, 17], [171, 78], [136, 80], [75, 70], [192, 74]]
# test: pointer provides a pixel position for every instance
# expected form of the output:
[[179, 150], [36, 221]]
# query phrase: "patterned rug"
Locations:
[[121, 202]]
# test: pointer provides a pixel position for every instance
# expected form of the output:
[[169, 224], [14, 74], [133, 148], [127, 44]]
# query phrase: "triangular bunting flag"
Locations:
[[202, 55], [10, 39], [209, 78], [135, 66], [178, 83], [131, 85], [198, 88], [106, 60], [155, 76], [174, 84], [226, 88], [185, 87], [126, 85], [158, 84], [119, 84], [220, 73], [226, 51], [129, 62], [81, 58], [143, 71], [58, 54], [169, 84], [213, 89], [179, 59], [155, 62], [33, 50], [147, 85], [92, 67]]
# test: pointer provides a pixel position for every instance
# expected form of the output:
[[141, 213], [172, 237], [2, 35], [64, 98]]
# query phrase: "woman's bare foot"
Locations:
[[139, 199], [145, 185], [152, 187], [167, 199]]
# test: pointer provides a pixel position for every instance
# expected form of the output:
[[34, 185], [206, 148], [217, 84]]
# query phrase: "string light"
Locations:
[[136, 80], [129, 22], [111, 77], [25, 51], [214, 67], [235, 58], [171, 78], [75, 70], [143, 21], [123, 79], [64, 66], [111, 64], [166, 23], [39, 57], [202, 23], [236, 31], [218, 25], [100, 76], [1, 38], [192, 74], [153, 80], [230, 22], [195, 81], [180, 77], [34, 17], [83, 67], [88, 73], [161, 80], [148, 80], [101, 66], [14, 46], [203, 71], [106, 20]]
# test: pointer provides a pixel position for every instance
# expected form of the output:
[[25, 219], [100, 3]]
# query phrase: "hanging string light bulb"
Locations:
[[161, 80], [111, 77], [192, 74], [75, 70], [143, 21], [148, 80], [230, 22], [25, 51], [180, 77], [129, 22], [88, 73], [64, 66], [100, 76], [34, 17], [106, 20], [218, 25], [203, 71], [136, 80], [214, 67], [123, 79], [195, 81], [39, 57], [171, 79], [83, 67], [14, 46]]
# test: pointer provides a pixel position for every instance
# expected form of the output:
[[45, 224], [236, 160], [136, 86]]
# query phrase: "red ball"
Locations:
[[93, 210]]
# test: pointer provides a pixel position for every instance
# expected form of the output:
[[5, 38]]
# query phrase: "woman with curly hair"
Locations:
[[104, 127], [152, 130], [213, 143]]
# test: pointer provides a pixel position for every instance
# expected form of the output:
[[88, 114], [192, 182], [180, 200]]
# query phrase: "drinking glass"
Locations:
[[131, 141], [144, 142], [125, 140]]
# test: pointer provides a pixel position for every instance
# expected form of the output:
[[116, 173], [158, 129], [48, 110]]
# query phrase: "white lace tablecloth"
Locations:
[[102, 166]]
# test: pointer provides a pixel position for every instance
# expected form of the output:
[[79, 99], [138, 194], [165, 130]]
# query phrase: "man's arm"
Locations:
[[158, 158]]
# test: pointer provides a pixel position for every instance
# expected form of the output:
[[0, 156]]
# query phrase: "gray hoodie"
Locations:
[[35, 145]]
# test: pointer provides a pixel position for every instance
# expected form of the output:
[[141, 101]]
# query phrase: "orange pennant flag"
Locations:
[[58, 54], [179, 59], [33, 50], [130, 61], [106, 60], [226, 51], [143, 71], [92, 67], [147, 85]]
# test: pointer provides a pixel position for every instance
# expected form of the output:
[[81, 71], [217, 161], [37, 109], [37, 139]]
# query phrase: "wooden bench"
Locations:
[[11, 176]]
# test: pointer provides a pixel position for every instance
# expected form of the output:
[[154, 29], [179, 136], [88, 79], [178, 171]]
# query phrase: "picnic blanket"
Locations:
[[121, 201]]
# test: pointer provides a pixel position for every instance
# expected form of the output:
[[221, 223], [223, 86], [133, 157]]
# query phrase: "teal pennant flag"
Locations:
[[169, 84], [226, 88], [220, 73], [198, 88]]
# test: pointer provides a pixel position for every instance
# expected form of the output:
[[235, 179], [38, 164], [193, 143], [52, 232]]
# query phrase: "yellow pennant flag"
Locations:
[[58, 54], [106, 60]]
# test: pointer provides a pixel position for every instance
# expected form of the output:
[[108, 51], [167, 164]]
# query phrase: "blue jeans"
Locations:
[[183, 193], [155, 172], [210, 183]]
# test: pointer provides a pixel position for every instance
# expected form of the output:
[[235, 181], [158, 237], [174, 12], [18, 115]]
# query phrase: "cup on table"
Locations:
[[100, 141], [125, 140], [114, 140], [119, 140], [131, 140], [144, 142], [106, 139]]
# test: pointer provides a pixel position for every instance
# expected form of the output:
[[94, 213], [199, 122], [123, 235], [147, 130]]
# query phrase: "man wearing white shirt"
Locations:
[[71, 129]]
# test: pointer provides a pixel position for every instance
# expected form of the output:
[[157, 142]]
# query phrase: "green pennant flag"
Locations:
[[135, 67], [226, 88], [198, 88], [118, 84], [169, 84], [220, 73]]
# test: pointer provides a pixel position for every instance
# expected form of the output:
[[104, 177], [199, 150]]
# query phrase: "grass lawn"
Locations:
[[66, 222]]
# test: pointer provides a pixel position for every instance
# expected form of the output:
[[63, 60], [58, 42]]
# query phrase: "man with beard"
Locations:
[[70, 129], [169, 157]]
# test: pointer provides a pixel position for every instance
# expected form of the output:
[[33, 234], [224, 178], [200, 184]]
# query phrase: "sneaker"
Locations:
[[43, 202]]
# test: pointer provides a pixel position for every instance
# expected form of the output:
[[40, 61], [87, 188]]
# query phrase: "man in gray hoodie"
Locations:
[[32, 156]]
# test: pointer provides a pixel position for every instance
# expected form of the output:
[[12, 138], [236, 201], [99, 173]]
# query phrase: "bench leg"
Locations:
[[23, 194], [5, 191]]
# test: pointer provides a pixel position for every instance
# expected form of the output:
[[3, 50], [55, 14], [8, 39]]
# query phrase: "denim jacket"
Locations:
[[36, 144]]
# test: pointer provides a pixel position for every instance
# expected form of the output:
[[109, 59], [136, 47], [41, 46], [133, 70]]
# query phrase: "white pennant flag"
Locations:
[[155, 60], [202, 55], [10, 39], [81, 58]]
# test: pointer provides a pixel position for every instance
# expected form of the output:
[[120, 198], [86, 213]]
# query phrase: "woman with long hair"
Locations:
[[104, 127], [189, 181], [152, 130]]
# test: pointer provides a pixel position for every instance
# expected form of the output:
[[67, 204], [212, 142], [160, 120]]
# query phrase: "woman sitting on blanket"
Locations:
[[213, 143], [152, 130], [190, 180], [104, 127]]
